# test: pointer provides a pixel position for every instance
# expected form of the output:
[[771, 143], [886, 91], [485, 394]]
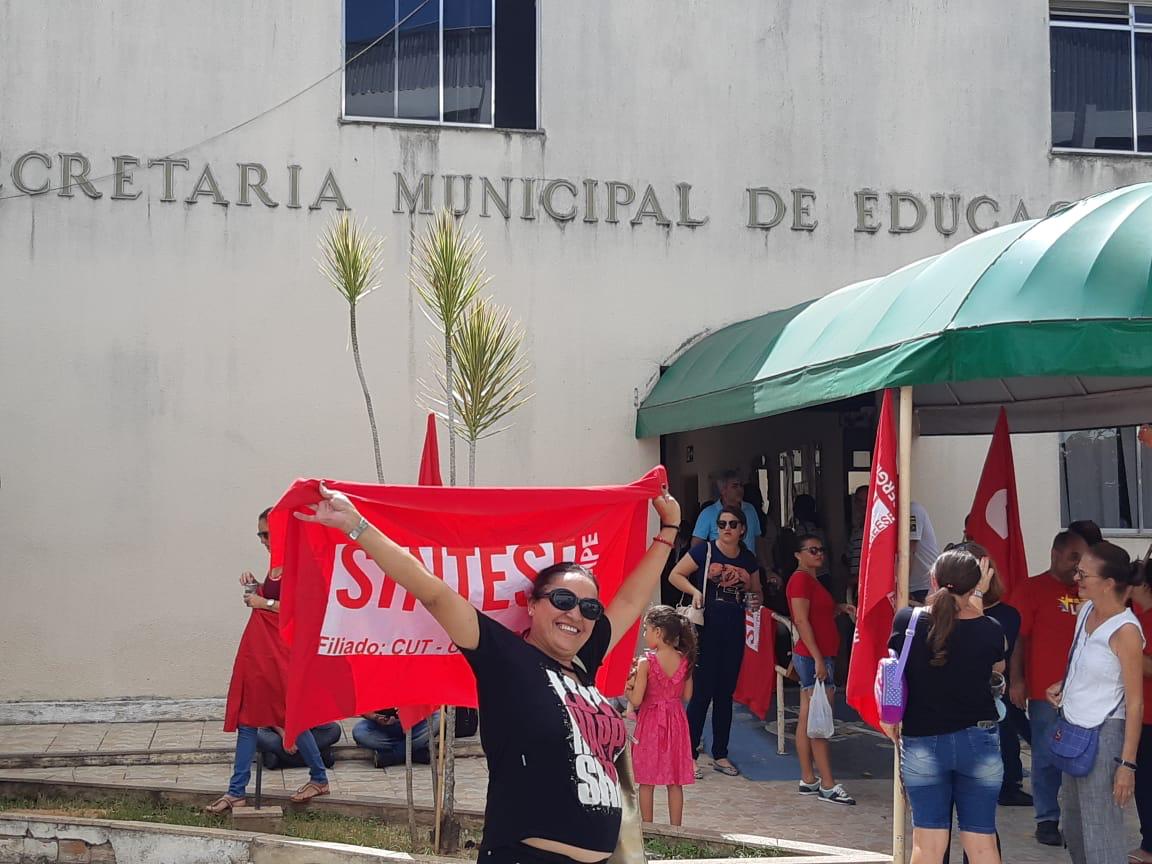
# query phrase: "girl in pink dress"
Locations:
[[662, 752]]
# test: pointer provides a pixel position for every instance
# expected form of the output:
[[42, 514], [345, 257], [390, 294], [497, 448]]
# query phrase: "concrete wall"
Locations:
[[166, 369]]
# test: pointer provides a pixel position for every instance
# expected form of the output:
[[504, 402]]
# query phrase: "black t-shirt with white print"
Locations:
[[551, 742]]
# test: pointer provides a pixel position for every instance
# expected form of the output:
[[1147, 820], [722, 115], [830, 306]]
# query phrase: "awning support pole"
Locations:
[[904, 509]]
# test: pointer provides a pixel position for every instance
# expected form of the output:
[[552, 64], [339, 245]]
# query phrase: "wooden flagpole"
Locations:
[[904, 524], [440, 775]]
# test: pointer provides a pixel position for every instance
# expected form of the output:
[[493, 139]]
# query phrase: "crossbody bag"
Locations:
[[1074, 748]]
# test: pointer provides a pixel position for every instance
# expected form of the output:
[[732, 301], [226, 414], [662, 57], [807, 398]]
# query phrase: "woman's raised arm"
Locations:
[[453, 612], [639, 586]]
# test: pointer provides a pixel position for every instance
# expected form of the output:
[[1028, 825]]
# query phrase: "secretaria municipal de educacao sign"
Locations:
[[247, 184]]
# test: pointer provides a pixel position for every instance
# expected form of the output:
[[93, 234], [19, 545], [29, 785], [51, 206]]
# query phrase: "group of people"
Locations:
[[555, 787]]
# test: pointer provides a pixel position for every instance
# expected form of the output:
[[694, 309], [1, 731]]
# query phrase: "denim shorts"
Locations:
[[962, 767], [806, 671]]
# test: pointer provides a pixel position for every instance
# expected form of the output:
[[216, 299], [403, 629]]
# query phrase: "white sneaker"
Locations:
[[812, 788]]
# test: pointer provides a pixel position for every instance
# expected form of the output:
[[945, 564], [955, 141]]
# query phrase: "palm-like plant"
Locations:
[[489, 374], [448, 276], [350, 262]]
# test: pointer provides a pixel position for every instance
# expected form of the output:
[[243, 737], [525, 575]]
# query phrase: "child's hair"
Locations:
[[677, 630]]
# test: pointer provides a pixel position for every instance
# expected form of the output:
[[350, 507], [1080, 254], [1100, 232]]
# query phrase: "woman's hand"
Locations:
[[892, 731], [986, 571], [1123, 785], [697, 599], [254, 601], [246, 578], [667, 508], [848, 609], [821, 669], [1054, 694], [334, 511]]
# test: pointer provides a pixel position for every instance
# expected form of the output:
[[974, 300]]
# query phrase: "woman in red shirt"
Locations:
[[814, 615]]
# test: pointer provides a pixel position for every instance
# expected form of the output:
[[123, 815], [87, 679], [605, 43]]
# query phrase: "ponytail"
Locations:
[[943, 606], [957, 572]]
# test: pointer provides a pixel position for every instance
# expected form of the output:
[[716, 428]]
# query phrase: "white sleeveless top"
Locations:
[[1094, 684]]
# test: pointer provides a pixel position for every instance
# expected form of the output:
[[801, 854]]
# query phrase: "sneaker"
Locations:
[[1048, 833], [812, 788], [836, 795]]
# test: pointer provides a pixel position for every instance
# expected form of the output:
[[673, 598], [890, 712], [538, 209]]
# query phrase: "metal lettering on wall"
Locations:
[[616, 202]]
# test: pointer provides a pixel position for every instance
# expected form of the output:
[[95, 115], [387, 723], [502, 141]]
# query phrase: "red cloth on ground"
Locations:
[[821, 614], [662, 753]]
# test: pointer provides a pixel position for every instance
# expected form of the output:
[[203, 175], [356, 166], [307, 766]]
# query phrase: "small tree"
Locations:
[[350, 262], [488, 378]]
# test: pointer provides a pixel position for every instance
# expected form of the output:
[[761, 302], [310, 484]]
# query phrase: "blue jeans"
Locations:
[[962, 768], [806, 671], [1046, 777], [388, 741], [246, 740]]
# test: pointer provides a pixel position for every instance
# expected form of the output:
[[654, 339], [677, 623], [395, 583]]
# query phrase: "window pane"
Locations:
[[1143, 15], [369, 80], [516, 64], [419, 58], [1144, 91], [1091, 88], [1146, 484], [1098, 476], [467, 61]]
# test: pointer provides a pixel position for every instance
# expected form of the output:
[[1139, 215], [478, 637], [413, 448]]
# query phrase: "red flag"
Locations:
[[877, 604], [994, 521], [429, 475], [359, 641], [757, 680]]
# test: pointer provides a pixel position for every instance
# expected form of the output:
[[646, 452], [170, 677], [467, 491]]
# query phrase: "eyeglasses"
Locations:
[[263, 535], [814, 550], [1081, 574], [728, 523], [565, 600]]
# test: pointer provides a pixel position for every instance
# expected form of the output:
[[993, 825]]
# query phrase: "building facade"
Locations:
[[641, 173]]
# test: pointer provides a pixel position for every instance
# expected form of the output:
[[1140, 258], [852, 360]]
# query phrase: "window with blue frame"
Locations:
[[469, 62]]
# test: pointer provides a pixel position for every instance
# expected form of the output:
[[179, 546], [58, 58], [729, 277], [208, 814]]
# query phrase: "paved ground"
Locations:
[[767, 805]]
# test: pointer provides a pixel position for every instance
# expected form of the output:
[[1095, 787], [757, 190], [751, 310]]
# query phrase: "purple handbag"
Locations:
[[891, 686]]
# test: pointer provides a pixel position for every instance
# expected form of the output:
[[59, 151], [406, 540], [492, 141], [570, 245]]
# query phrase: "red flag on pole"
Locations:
[[994, 521], [877, 604], [757, 680], [429, 475]]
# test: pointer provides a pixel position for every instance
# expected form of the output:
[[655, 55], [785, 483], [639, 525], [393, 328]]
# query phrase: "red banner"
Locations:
[[994, 521], [757, 681], [359, 641], [877, 604]]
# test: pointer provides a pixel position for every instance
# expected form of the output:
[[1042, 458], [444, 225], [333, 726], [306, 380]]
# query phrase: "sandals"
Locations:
[[309, 791], [223, 804], [728, 770], [698, 773]]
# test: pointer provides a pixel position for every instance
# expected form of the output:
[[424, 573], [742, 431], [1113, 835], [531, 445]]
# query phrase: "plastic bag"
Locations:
[[820, 723]]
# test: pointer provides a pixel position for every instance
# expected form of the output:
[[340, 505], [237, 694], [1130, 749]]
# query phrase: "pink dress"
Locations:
[[662, 754]]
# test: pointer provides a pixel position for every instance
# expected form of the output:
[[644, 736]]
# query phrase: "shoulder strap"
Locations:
[[707, 567], [1072, 647], [909, 635]]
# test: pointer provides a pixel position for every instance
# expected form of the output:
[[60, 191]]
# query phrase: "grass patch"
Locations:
[[332, 827]]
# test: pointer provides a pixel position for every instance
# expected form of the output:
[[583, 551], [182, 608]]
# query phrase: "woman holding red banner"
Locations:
[[550, 738]]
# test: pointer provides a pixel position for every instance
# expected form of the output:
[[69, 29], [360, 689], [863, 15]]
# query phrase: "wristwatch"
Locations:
[[978, 594], [269, 603], [358, 530]]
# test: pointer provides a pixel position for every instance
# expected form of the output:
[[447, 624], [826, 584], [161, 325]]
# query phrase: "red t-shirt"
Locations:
[[1145, 619], [1048, 611], [821, 613]]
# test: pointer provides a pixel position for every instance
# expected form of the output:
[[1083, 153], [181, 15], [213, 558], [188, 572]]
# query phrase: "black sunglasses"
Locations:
[[565, 600], [814, 550], [728, 523]]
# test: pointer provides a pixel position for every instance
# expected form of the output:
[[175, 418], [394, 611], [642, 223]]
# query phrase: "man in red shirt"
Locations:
[[1048, 604]]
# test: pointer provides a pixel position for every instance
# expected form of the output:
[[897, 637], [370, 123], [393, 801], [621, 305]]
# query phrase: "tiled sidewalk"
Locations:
[[731, 804]]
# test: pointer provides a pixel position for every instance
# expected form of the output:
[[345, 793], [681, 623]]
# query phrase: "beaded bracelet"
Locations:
[[659, 539]]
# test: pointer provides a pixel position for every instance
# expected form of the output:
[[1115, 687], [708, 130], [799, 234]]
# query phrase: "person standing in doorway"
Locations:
[[922, 551], [1048, 605], [730, 493], [721, 577], [814, 614]]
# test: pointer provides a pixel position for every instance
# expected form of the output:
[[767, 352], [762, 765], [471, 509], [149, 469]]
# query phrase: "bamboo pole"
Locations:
[[441, 758], [904, 524]]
